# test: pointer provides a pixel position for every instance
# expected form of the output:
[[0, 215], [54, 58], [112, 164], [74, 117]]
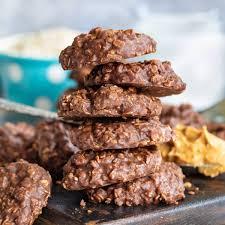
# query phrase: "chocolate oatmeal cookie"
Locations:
[[182, 114], [217, 128], [119, 135], [166, 185], [16, 142], [107, 101], [186, 115], [157, 77], [24, 191], [101, 46], [53, 145], [91, 169]]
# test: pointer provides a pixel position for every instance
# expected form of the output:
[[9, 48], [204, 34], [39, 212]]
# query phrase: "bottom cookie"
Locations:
[[166, 185]]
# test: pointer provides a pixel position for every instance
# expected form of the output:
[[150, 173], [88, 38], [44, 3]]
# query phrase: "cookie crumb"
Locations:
[[89, 211], [187, 185], [59, 182], [191, 193], [82, 203]]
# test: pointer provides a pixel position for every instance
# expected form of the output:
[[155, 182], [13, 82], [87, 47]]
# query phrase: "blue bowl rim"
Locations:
[[11, 58]]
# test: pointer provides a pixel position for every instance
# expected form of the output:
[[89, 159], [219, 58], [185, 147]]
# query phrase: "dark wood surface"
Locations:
[[207, 207]]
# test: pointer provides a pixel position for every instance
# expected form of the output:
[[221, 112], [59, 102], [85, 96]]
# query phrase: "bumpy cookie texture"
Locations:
[[24, 191], [108, 101], [186, 115], [16, 142], [101, 46], [91, 169], [53, 145], [166, 185], [157, 77], [217, 128], [182, 114], [119, 135]]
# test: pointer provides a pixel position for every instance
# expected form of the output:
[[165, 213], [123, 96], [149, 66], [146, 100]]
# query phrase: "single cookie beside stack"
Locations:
[[118, 159]]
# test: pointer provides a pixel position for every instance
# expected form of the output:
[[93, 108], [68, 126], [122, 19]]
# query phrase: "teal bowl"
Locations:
[[35, 82]]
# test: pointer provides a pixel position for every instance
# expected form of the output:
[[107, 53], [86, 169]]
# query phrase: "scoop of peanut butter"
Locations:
[[197, 148]]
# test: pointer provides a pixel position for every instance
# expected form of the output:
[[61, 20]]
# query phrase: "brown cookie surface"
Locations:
[[181, 114], [91, 169], [166, 185], [53, 145], [156, 77], [24, 191], [16, 142], [217, 128], [108, 101], [101, 46], [118, 135]]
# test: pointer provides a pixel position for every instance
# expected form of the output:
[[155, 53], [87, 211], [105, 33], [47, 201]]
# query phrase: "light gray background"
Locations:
[[30, 15], [200, 63]]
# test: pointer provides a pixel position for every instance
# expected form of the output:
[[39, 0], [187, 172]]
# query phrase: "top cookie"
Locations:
[[101, 46], [157, 77]]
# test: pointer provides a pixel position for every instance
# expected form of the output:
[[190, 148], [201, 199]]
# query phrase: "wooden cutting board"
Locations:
[[207, 207]]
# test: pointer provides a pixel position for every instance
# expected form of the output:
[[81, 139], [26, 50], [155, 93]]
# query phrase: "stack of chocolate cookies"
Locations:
[[118, 160]]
